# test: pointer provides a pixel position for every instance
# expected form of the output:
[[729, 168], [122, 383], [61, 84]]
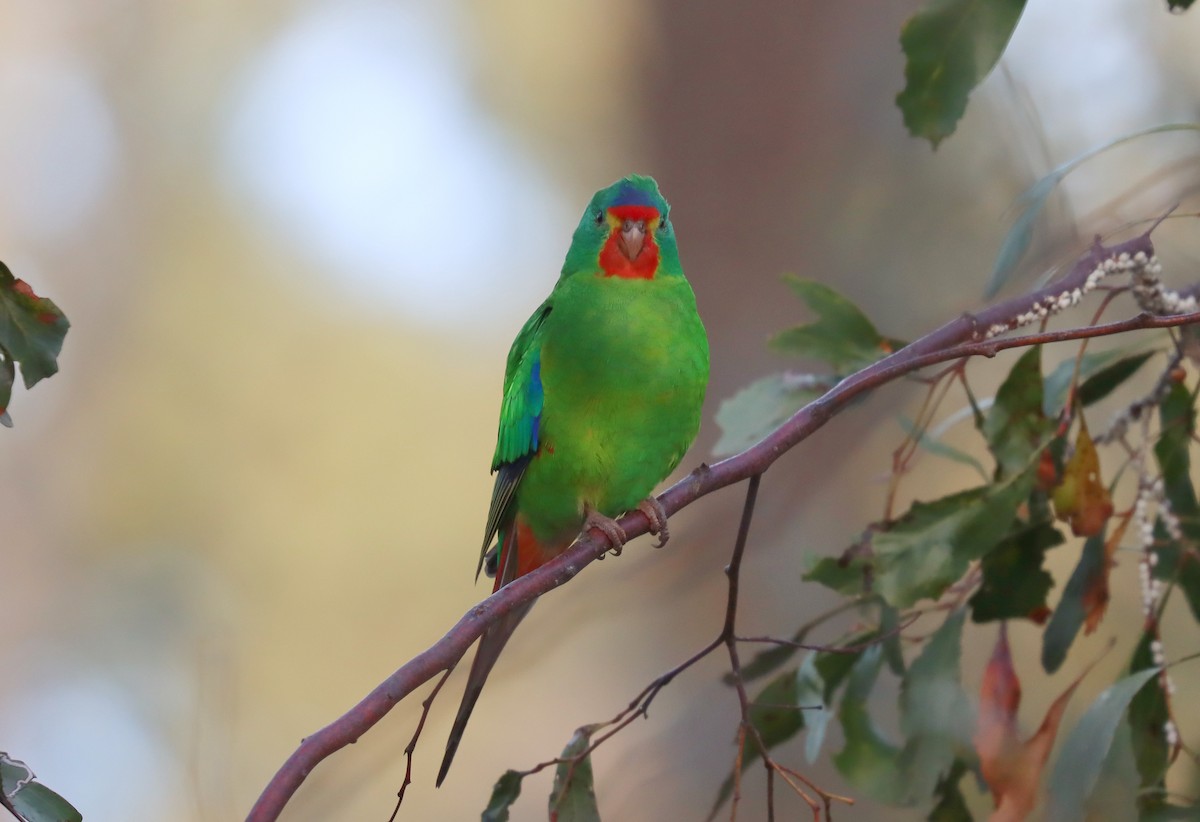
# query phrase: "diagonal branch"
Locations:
[[967, 336]]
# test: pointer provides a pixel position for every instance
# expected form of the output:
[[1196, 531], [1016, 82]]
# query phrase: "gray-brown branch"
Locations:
[[963, 337]]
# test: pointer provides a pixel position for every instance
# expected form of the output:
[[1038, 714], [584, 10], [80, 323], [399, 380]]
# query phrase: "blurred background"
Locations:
[[295, 240]]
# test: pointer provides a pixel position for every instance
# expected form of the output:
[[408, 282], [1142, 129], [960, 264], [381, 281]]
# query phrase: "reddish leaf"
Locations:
[[996, 739], [1081, 498], [1012, 768], [1095, 595], [1047, 471]]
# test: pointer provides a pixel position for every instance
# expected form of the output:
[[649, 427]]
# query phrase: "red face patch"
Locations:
[[614, 261]]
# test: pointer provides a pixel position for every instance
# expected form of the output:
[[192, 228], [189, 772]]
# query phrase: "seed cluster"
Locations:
[[1144, 273], [1155, 298], [1151, 493]]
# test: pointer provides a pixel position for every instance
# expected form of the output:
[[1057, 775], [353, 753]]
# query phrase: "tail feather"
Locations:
[[490, 646], [517, 553]]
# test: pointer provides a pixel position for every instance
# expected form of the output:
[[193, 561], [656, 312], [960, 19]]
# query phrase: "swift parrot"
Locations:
[[602, 395]]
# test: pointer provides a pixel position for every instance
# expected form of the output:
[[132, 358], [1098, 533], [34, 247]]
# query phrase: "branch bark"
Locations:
[[967, 336]]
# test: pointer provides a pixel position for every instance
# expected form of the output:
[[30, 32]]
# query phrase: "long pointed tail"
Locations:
[[490, 646]]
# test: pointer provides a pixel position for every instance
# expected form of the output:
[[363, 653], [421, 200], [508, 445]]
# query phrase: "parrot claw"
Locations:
[[657, 515], [607, 526]]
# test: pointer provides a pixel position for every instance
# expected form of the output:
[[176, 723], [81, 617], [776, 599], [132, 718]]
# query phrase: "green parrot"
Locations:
[[602, 397]]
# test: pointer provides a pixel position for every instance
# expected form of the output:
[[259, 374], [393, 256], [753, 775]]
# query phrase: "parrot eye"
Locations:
[[598, 216]]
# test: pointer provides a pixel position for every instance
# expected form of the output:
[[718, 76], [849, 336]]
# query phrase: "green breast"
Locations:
[[624, 366]]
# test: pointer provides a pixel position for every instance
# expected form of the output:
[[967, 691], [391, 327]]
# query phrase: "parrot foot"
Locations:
[[657, 515], [607, 526]]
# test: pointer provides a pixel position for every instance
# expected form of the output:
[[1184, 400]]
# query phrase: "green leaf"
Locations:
[[951, 807], [834, 668], [889, 627], [32, 328], [1085, 750], [950, 46], [32, 801], [1071, 612], [1015, 427], [777, 656], [868, 761], [810, 691], [935, 713], [774, 712], [930, 547], [1171, 813], [8, 374], [1101, 372], [1107, 380], [941, 449], [1014, 582], [1016, 241], [817, 683], [765, 662], [1148, 716], [508, 788], [1177, 416], [1178, 563], [1179, 5], [761, 407], [37, 803], [848, 574], [573, 798], [841, 336], [1116, 792]]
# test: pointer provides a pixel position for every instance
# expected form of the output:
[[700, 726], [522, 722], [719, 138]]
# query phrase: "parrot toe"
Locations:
[[607, 526], [657, 515]]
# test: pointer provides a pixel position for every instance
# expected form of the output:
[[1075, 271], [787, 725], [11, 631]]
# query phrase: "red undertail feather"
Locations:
[[530, 554]]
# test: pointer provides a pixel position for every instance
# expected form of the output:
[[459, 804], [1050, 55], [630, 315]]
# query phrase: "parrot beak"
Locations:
[[633, 237]]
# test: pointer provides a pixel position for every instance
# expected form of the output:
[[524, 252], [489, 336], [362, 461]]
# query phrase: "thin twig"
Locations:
[[412, 743], [786, 775], [832, 649], [729, 638], [638, 707], [939, 387]]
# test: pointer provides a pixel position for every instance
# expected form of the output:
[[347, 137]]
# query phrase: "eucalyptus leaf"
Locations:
[[950, 46], [1085, 750]]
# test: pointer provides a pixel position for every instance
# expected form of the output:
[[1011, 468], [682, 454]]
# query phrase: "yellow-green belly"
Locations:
[[624, 367]]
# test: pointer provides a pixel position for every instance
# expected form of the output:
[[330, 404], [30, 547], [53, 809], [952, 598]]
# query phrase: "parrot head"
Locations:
[[625, 232]]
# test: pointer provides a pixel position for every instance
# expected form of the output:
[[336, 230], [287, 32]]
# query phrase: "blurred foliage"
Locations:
[[29, 800], [983, 551], [841, 336], [1031, 202], [950, 46], [32, 330]]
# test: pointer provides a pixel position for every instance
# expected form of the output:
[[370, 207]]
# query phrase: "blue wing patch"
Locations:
[[520, 423]]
